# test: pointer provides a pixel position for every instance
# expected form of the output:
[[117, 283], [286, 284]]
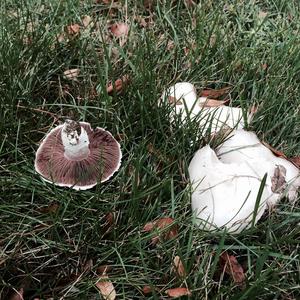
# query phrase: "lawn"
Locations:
[[55, 242]]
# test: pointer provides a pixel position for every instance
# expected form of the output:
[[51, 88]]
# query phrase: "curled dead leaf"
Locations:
[[71, 74], [103, 270], [119, 84], [147, 290], [178, 292], [211, 93], [296, 161], [162, 224], [51, 208], [213, 103], [120, 29], [109, 220], [278, 179], [73, 29], [231, 266], [275, 151], [178, 267], [106, 288]]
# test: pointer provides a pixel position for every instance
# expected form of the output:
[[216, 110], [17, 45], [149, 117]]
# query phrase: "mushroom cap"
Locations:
[[244, 146], [212, 119], [103, 161], [224, 195]]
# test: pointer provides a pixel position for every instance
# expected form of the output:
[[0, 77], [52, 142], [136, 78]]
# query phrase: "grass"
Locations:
[[45, 249]]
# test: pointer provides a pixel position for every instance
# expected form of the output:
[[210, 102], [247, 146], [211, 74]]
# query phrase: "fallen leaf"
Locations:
[[119, 84], [278, 179], [109, 222], [211, 93], [71, 74], [296, 161], [120, 29], [161, 224], [178, 292], [148, 226], [147, 289], [73, 29], [213, 103], [51, 208], [232, 268], [106, 288], [86, 21], [102, 270], [179, 269], [275, 151]]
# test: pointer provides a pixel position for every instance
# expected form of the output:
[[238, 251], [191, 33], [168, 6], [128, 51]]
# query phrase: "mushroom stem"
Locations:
[[75, 140]]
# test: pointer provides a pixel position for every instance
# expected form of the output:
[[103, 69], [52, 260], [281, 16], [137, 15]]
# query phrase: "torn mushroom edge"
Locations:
[[76, 187]]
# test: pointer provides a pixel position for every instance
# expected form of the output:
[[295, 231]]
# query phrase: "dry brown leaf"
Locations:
[[119, 84], [296, 161], [214, 103], [148, 226], [178, 268], [278, 179], [109, 222], [232, 267], [73, 29], [102, 270], [147, 290], [215, 93], [275, 151], [86, 21], [106, 288], [178, 292], [160, 224], [51, 208], [71, 74], [120, 29]]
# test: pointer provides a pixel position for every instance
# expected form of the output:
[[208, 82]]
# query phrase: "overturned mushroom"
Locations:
[[74, 155]]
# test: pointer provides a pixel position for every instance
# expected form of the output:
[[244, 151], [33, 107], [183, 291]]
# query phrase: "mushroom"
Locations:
[[225, 194], [74, 155], [244, 146], [184, 98]]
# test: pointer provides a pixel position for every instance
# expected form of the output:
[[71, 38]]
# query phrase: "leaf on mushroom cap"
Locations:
[[100, 163]]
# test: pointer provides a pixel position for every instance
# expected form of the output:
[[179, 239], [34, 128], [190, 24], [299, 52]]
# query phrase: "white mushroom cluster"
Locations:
[[234, 185]]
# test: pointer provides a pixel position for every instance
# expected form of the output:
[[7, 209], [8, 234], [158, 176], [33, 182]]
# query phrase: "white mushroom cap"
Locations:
[[244, 146], [212, 119], [74, 155], [224, 195]]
